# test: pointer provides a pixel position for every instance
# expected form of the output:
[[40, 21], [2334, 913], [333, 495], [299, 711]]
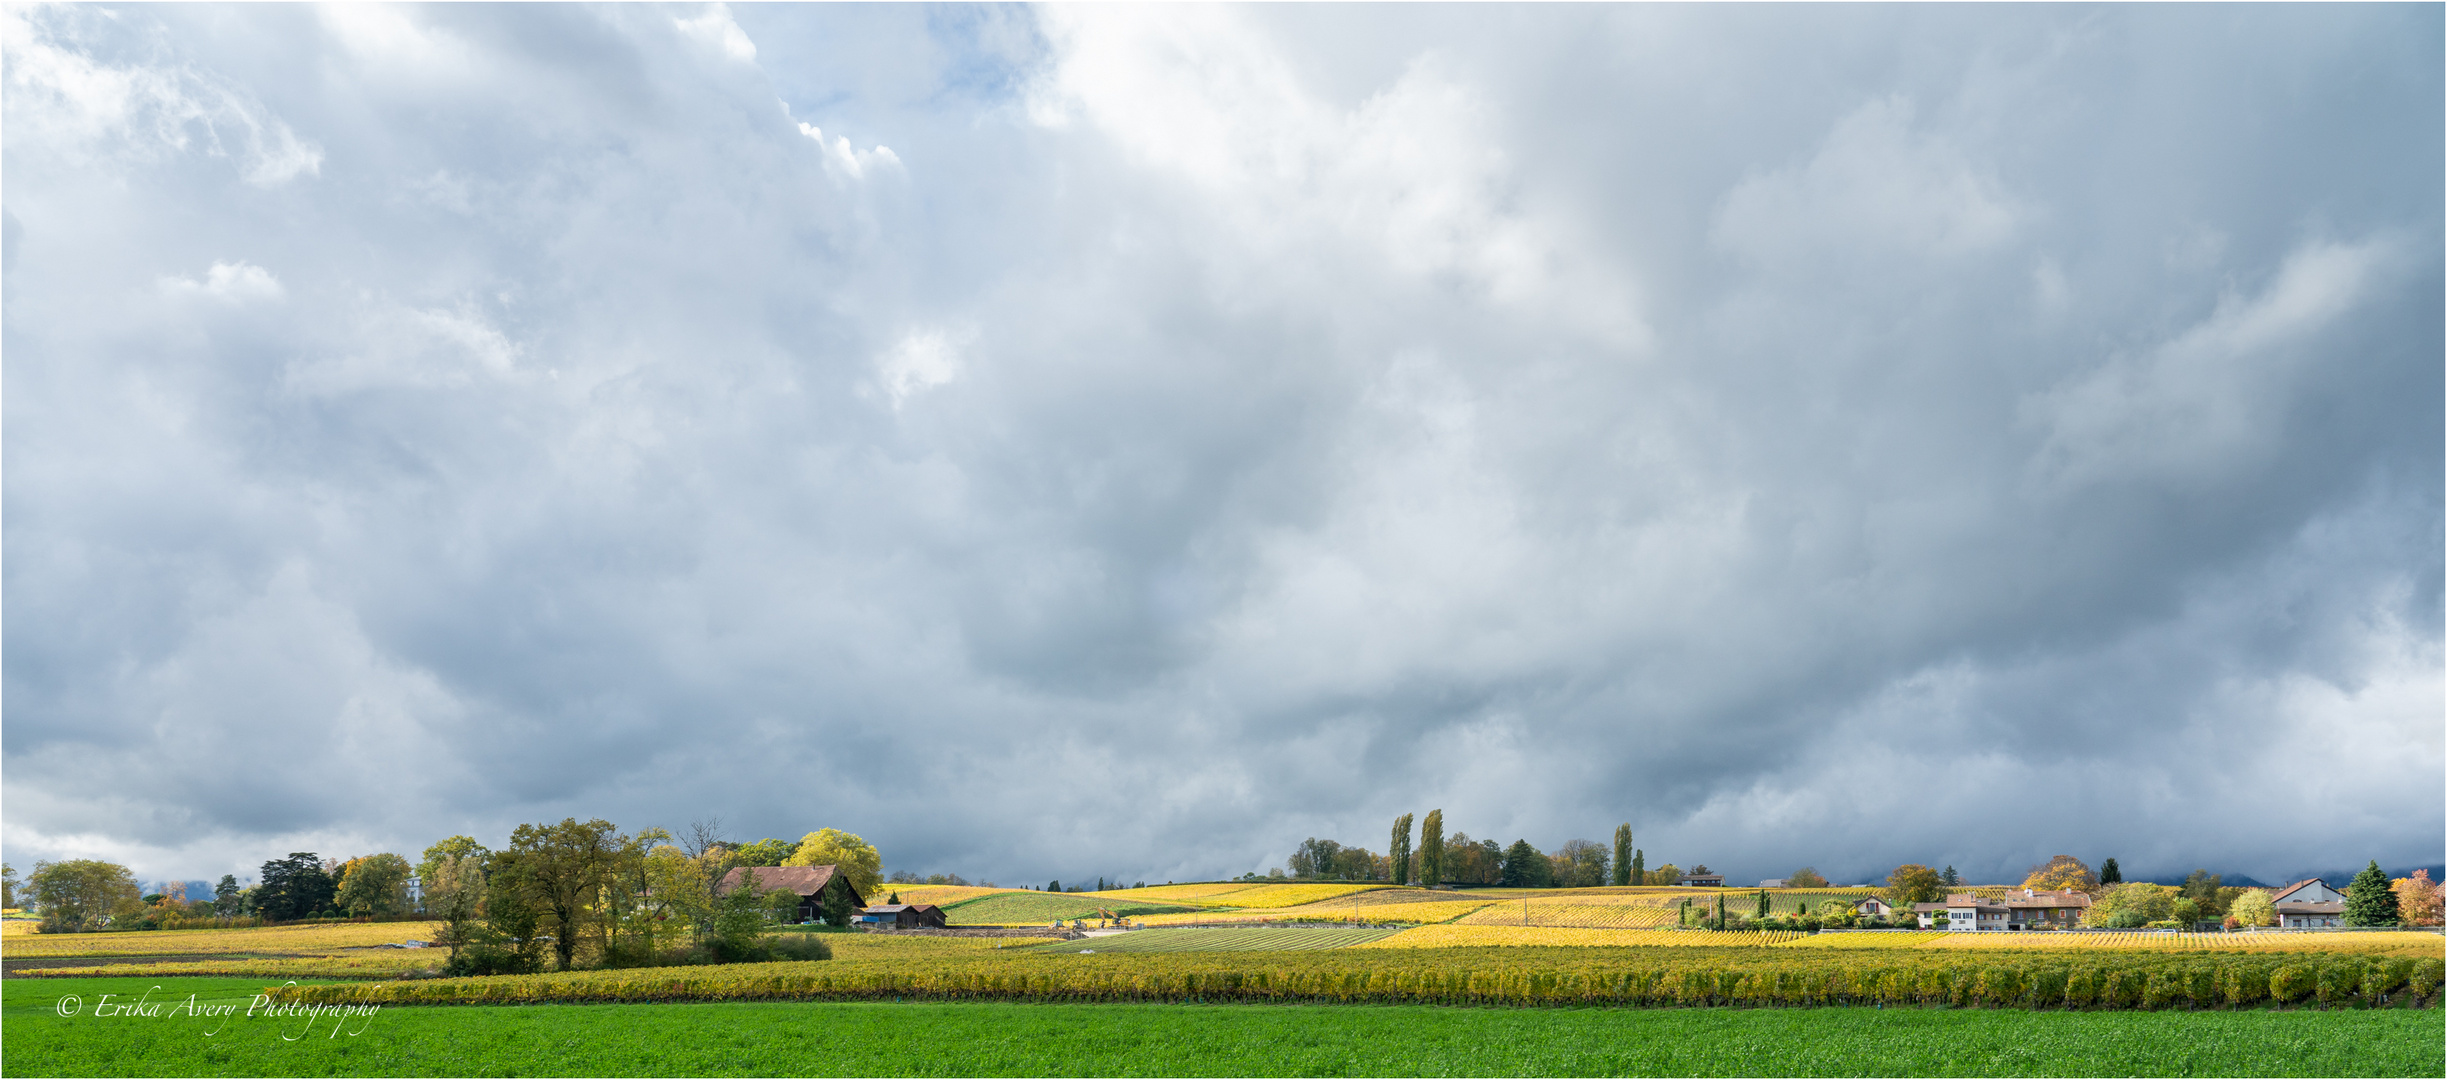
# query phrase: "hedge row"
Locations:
[[1473, 976]]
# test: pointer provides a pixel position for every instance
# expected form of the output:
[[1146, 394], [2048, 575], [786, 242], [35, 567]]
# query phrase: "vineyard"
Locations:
[[1574, 911], [1253, 939], [312, 939], [1042, 908], [2108, 979], [1465, 934]]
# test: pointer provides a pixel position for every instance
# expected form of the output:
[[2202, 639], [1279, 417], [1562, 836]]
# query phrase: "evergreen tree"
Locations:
[[1525, 867], [1762, 903], [2371, 899], [1431, 849], [1720, 911], [1399, 853], [1639, 867], [1622, 854], [2108, 874], [1953, 879]]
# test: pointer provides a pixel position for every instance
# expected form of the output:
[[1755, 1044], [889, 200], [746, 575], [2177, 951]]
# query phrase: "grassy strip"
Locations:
[[1486, 976], [883, 1039]]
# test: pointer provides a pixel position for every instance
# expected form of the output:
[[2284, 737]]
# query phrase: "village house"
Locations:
[[2308, 903], [1773, 883], [1871, 906], [808, 882], [1702, 878], [899, 917], [2022, 909]]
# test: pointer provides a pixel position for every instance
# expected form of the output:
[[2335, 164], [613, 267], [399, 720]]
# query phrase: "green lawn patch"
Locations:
[[990, 1039]]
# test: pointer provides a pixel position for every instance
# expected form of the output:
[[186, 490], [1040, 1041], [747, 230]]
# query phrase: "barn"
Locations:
[[901, 916], [809, 882]]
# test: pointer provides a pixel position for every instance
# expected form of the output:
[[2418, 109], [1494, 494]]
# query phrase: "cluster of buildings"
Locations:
[[809, 884], [2305, 904]]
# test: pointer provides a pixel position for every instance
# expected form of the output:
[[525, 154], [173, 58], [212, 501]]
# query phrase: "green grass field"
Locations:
[[1038, 909], [883, 1039], [1270, 939]]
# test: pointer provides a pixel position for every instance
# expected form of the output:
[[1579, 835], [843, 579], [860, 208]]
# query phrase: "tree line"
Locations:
[[568, 894], [1436, 858]]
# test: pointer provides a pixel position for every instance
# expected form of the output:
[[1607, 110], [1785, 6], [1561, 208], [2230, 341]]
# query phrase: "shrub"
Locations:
[[2426, 976], [2289, 984], [2337, 983], [2242, 984]]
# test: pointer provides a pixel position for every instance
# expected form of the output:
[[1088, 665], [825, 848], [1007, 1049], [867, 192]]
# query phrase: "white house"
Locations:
[[2309, 903]]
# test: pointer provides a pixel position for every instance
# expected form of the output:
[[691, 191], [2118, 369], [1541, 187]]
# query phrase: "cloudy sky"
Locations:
[[1078, 441]]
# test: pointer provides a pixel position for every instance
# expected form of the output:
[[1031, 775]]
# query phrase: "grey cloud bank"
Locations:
[[1065, 442]]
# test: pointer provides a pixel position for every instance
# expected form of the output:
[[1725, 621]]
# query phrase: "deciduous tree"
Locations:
[[373, 885], [1639, 867], [2417, 899], [1580, 864], [768, 852], [2369, 901], [1431, 849], [1912, 883], [2129, 904], [454, 888], [1623, 855], [79, 894], [2253, 907], [2061, 873], [852, 857], [1807, 877], [1399, 853], [567, 867]]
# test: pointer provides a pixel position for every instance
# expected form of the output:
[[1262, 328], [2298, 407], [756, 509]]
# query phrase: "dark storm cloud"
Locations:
[[1064, 442]]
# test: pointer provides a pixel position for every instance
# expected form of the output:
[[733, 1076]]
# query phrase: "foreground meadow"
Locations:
[[996, 1039]]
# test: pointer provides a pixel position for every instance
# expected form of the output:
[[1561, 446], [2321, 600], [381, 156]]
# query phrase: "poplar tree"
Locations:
[[2371, 899], [1399, 853], [1431, 849], [1639, 867], [1622, 854]]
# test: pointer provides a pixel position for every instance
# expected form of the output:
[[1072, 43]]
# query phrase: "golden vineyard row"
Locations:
[[2105, 980]]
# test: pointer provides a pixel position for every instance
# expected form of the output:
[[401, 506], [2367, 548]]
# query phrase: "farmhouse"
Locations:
[[1704, 879], [808, 882], [899, 916], [2038, 909], [2024, 909], [2309, 902], [1873, 906]]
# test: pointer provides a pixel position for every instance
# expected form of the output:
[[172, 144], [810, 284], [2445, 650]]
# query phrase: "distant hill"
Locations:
[[2333, 877]]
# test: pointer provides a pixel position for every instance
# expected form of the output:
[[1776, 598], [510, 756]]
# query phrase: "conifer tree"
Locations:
[[1399, 853], [1953, 879], [2371, 899], [2109, 874], [1431, 849], [1762, 903], [1622, 854]]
